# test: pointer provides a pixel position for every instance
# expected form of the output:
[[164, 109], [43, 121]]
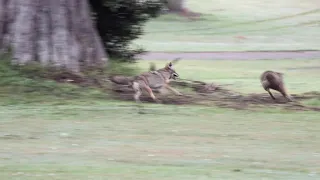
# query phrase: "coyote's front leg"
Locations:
[[149, 90], [173, 90]]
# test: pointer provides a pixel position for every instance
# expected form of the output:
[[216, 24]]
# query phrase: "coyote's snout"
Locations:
[[274, 80]]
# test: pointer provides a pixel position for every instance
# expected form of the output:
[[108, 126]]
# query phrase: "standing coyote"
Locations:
[[274, 80]]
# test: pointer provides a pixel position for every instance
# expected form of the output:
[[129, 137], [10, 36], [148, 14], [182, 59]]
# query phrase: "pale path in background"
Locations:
[[232, 55]]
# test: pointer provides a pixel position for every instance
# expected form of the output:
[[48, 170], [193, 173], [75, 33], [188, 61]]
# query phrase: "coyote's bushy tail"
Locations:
[[122, 80], [152, 67]]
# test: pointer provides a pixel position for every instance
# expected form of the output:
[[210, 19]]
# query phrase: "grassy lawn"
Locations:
[[64, 132], [111, 141], [232, 25], [244, 76]]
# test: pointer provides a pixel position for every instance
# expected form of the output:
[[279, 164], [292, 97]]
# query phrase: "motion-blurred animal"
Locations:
[[149, 81], [274, 80]]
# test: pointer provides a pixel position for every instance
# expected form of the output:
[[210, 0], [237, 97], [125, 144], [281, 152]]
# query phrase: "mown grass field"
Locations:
[[232, 25], [60, 131]]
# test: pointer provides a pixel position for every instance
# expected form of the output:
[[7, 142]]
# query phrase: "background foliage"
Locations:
[[121, 21]]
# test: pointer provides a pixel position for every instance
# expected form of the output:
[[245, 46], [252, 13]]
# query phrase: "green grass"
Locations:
[[105, 140], [266, 25], [31, 84], [244, 76], [62, 131]]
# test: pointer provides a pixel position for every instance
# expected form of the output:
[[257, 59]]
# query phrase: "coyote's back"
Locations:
[[271, 79]]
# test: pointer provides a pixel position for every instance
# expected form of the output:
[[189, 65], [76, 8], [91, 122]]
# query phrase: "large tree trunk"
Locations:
[[179, 6], [52, 32]]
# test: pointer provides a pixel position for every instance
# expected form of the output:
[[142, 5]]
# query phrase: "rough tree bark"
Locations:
[[52, 32]]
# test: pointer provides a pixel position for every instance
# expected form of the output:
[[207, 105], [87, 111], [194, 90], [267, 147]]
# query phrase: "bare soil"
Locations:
[[214, 95]]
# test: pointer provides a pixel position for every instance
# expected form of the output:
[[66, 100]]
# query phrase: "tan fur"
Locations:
[[154, 80], [152, 67], [123, 80], [127, 80], [274, 80]]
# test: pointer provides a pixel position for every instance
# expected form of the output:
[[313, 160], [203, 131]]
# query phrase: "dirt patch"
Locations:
[[211, 94]]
